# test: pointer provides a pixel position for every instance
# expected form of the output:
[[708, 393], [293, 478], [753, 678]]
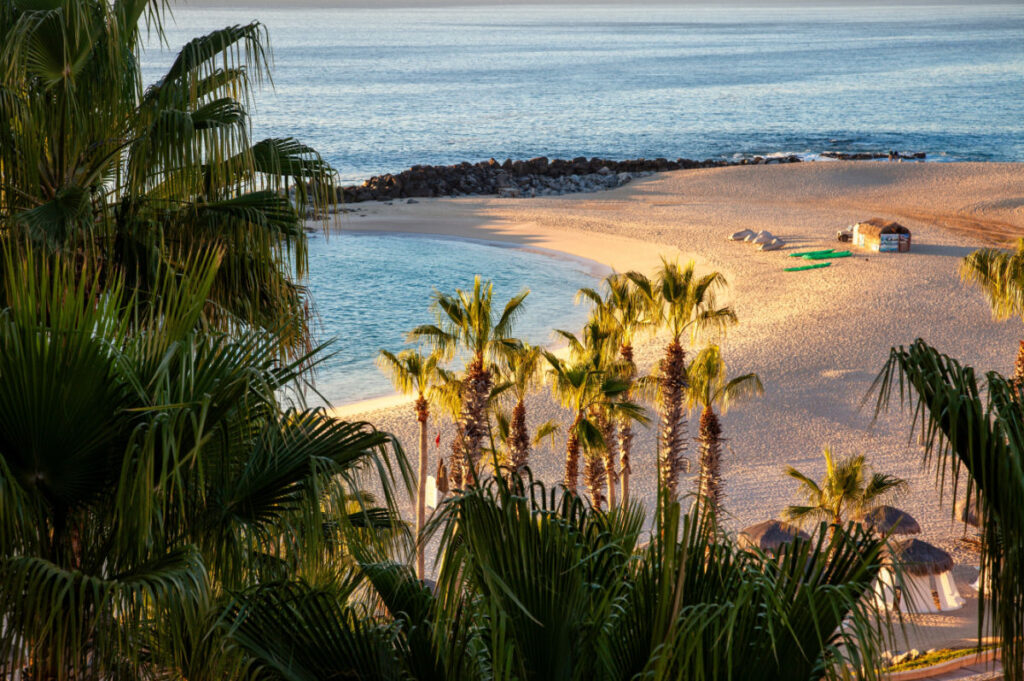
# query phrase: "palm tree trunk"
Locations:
[[474, 414], [594, 477], [610, 454], [672, 443], [625, 445], [519, 438], [1018, 368], [709, 483], [625, 429], [422, 415], [457, 457], [572, 456]]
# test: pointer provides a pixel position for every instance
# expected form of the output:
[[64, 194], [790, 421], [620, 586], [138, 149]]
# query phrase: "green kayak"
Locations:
[[803, 253], [827, 256], [815, 266]]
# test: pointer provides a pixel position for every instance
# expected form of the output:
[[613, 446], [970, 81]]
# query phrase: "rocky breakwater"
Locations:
[[535, 177], [874, 155]]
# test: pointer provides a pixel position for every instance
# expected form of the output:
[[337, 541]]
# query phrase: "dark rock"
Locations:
[[543, 176]]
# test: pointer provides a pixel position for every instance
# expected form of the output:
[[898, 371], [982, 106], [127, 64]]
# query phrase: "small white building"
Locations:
[[881, 236]]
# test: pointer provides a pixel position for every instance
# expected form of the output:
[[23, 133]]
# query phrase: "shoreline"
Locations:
[[632, 255]]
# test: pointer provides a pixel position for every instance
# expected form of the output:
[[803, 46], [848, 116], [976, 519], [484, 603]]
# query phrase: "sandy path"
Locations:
[[817, 338]]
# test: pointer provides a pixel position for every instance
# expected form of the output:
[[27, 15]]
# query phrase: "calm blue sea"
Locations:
[[371, 289], [379, 90]]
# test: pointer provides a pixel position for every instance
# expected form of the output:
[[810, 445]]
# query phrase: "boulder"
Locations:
[[773, 245], [742, 235], [762, 238]]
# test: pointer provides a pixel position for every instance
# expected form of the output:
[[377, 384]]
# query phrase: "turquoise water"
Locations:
[[371, 289], [378, 90]]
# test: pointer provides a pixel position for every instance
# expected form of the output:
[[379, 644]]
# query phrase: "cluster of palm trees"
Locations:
[[595, 379]]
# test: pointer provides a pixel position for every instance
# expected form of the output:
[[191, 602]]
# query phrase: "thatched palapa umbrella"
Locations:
[[919, 558], [770, 535], [928, 582], [891, 520], [967, 513]]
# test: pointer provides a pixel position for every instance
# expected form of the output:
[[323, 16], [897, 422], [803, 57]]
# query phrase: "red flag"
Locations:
[[437, 440]]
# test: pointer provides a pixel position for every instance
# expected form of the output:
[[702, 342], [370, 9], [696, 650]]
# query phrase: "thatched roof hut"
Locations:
[[891, 520], [881, 235], [770, 535], [878, 226], [921, 558], [967, 512]]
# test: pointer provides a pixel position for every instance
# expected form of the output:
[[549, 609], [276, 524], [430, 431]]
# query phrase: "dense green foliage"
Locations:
[[147, 465], [536, 584]]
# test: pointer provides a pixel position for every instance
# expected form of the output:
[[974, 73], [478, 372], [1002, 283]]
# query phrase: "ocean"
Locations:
[[379, 90]]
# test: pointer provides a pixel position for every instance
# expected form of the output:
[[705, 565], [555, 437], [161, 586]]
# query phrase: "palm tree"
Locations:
[[576, 385], [847, 491], [97, 167], [965, 431], [148, 465], [413, 373], [626, 310], [521, 365], [688, 305], [447, 396], [709, 386], [590, 385], [466, 320], [1000, 274]]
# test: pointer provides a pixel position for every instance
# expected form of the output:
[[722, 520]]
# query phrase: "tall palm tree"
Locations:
[[1000, 274], [597, 347], [627, 310], [96, 166], [447, 397], [590, 385], [466, 321], [414, 373], [689, 306], [974, 425], [578, 386], [521, 365], [847, 491], [148, 464], [709, 386]]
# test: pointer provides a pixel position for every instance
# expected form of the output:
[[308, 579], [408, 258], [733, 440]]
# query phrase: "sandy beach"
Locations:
[[817, 338]]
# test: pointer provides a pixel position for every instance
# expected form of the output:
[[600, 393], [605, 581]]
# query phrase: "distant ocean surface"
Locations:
[[379, 90]]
